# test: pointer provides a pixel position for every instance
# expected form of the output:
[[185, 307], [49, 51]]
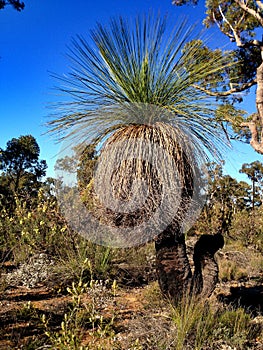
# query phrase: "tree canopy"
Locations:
[[20, 167], [227, 197], [254, 171], [239, 21]]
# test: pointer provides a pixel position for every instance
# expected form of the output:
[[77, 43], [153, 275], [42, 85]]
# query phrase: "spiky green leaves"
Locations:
[[128, 63]]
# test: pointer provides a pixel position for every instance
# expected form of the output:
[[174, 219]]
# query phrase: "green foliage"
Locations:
[[224, 198], [230, 270], [201, 326], [234, 325], [191, 315], [231, 19], [243, 22], [70, 261], [21, 169], [254, 171], [219, 77], [247, 226], [84, 315], [195, 324], [240, 22], [33, 228], [134, 63], [40, 227], [16, 4], [248, 58]]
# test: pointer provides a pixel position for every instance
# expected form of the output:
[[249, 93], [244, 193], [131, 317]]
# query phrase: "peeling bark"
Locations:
[[259, 100], [256, 134]]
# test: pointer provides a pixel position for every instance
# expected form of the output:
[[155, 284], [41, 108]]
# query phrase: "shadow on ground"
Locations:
[[247, 297]]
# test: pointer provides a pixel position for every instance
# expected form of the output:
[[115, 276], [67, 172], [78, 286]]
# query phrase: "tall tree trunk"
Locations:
[[257, 134], [253, 193], [259, 101]]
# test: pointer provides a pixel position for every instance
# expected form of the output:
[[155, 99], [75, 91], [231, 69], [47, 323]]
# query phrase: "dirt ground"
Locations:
[[21, 309]]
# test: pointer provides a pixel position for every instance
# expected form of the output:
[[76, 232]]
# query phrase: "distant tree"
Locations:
[[67, 164], [20, 167], [254, 171], [226, 190], [247, 226], [82, 162], [16, 4], [86, 166], [241, 22], [225, 199]]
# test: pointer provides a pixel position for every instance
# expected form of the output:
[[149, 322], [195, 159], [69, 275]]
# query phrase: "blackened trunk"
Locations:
[[173, 268], [172, 265], [206, 269]]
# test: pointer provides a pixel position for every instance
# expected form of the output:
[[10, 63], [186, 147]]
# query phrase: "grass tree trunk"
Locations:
[[173, 269], [172, 264], [174, 273], [206, 269]]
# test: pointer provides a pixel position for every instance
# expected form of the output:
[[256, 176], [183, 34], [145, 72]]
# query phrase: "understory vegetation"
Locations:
[[64, 292], [60, 291], [147, 108]]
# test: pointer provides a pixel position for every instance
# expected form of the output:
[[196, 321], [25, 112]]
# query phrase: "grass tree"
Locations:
[[132, 89]]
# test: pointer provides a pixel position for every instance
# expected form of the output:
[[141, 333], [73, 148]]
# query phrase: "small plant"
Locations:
[[153, 295], [190, 316], [234, 327], [136, 345], [85, 313], [68, 336], [27, 311], [230, 270], [200, 326]]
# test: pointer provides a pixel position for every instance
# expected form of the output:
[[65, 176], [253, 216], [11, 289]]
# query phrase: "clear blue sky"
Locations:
[[34, 42]]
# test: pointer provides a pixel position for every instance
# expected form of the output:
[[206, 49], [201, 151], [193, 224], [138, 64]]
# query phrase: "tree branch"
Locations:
[[260, 4], [250, 11], [235, 35], [231, 36], [258, 146], [231, 91]]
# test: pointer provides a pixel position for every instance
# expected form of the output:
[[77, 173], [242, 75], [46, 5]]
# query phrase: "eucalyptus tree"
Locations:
[[240, 21], [131, 92]]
